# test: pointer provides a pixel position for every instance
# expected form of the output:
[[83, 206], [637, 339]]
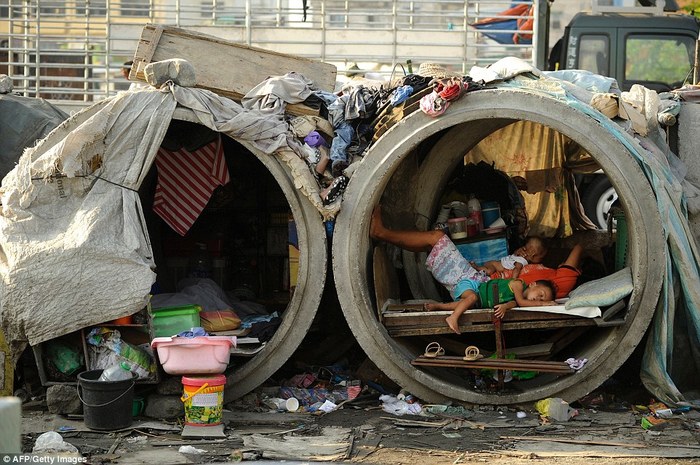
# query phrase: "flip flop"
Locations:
[[434, 350], [336, 189], [471, 353]]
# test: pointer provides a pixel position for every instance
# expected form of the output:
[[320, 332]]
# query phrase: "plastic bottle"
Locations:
[[200, 262], [118, 372], [474, 209]]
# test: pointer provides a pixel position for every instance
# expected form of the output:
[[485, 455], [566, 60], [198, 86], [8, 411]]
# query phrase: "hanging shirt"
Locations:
[[186, 181]]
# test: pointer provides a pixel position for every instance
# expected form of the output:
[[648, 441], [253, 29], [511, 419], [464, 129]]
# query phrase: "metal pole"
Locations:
[[540, 37], [696, 67]]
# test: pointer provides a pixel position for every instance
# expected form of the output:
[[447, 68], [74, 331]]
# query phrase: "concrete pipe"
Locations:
[[304, 301], [406, 170]]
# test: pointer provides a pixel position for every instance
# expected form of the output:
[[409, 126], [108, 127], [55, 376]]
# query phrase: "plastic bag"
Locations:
[[51, 441], [219, 320], [106, 348], [67, 360], [555, 408]]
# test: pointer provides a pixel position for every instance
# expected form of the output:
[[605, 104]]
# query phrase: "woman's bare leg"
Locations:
[[413, 241]]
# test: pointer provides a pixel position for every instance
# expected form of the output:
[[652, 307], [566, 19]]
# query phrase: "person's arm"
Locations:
[[517, 288], [518, 267], [500, 309], [574, 258]]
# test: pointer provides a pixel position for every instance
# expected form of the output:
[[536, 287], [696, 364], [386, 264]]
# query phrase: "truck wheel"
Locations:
[[597, 199]]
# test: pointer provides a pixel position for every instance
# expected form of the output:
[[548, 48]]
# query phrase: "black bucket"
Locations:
[[107, 405]]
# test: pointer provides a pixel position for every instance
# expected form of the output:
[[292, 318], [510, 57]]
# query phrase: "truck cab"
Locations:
[[654, 50]]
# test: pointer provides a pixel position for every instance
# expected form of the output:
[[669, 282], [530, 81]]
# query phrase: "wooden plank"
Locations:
[[417, 330], [494, 364], [613, 310], [7, 372], [224, 67], [565, 337], [469, 317], [386, 282]]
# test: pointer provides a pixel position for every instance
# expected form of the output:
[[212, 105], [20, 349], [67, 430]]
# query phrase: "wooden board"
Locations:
[[386, 282], [448, 361], [7, 372], [224, 67], [477, 320]]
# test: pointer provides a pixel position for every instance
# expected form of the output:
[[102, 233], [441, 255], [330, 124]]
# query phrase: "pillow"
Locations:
[[602, 292]]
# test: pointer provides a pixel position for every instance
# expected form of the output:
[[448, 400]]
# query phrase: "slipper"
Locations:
[[434, 350], [471, 353], [337, 188]]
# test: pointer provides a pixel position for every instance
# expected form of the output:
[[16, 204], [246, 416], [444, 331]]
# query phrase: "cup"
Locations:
[[292, 404]]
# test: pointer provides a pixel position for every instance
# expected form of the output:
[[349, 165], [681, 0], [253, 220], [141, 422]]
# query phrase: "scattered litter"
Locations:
[[137, 440], [51, 441], [190, 450], [328, 406], [576, 364], [521, 414], [452, 435], [65, 429], [391, 404]]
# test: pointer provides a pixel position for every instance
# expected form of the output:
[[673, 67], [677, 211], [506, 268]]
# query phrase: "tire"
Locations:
[[597, 199]]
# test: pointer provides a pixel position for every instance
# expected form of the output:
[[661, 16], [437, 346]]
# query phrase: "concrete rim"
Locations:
[[305, 301], [492, 109]]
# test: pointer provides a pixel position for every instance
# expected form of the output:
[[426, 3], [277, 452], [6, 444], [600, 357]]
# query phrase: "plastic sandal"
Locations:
[[337, 188], [471, 353], [434, 350]]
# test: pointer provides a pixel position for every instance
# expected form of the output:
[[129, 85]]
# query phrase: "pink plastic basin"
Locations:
[[194, 355]]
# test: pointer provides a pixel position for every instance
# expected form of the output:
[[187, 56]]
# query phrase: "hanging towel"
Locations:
[[186, 181]]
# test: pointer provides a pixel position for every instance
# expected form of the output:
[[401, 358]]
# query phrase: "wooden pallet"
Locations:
[[225, 67], [448, 361]]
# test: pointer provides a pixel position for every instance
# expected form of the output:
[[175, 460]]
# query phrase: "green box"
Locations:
[[169, 321]]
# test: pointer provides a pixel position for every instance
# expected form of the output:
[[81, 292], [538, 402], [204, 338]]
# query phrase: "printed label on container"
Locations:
[[205, 400]]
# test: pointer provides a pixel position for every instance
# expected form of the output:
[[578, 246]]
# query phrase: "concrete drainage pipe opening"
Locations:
[[408, 171], [249, 216]]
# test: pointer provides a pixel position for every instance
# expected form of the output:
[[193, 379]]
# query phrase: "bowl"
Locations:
[[494, 230]]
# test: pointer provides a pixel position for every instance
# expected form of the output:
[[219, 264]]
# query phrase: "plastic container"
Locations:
[[107, 405], [118, 372], [474, 210], [170, 321], [194, 355], [472, 227], [203, 397], [490, 212], [457, 227]]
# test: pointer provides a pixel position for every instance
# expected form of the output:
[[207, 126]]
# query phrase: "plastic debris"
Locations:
[[190, 450], [51, 441]]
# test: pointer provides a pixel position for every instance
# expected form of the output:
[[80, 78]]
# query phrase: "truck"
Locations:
[[635, 45]]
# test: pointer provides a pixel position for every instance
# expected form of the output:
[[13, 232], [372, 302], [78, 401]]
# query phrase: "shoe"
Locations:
[[336, 189], [338, 167]]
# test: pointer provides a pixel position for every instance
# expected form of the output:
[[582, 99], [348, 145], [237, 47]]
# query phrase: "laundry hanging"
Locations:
[[186, 181]]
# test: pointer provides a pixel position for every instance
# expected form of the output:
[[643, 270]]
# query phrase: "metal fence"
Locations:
[[73, 50]]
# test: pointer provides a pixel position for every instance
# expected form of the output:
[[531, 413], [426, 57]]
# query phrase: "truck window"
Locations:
[[593, 54], [666, 59]]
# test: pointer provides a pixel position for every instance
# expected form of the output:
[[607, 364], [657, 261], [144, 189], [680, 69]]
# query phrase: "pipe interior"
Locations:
[[412, 199], [246, 229]]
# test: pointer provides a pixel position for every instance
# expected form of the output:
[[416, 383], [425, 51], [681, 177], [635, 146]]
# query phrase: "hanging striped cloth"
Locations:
[[186, 181]]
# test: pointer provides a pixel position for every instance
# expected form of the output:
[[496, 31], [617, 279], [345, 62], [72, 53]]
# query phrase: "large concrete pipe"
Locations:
[[305, 300], [406, 170]]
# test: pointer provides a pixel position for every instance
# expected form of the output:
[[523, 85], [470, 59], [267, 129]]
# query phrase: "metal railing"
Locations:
[[72, 51]]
